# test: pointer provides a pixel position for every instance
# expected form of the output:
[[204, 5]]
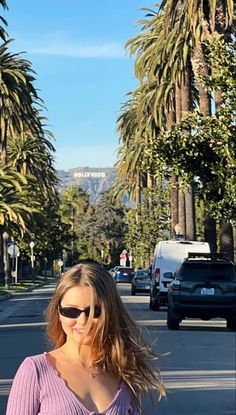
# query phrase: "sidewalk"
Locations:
[[26, 285]]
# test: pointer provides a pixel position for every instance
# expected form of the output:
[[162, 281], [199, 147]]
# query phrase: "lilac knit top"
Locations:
[[39, 390]]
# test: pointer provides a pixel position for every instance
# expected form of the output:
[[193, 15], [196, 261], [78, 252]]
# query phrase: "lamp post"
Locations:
[[6, 262], [63, 259], [32, 244], [45, 268]]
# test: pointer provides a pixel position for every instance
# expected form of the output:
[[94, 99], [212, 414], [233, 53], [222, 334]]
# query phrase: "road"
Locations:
[[197, 362]]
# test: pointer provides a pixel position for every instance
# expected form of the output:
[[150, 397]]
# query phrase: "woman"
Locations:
[[100, 363]]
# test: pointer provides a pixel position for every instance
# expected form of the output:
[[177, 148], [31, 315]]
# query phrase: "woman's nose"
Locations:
[[82, 319]]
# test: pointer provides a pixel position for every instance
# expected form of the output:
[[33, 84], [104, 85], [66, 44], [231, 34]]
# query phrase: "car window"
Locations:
[[206, 272], [123, 270], [143, 273]]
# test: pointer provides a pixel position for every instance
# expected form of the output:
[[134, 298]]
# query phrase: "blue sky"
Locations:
[[83, 71]]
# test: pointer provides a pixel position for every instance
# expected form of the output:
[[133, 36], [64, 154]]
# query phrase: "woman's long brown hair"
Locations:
[[118, 344]]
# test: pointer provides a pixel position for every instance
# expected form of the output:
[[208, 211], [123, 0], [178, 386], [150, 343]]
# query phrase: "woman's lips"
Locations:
[[81, 331]]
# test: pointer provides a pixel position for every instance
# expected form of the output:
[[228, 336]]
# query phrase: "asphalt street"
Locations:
[[197, 362]]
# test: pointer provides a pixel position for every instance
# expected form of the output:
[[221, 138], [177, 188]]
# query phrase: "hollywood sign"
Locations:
[[82, 174]]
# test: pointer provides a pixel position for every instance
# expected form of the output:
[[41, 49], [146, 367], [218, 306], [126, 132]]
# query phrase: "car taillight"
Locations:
[[157, 274]]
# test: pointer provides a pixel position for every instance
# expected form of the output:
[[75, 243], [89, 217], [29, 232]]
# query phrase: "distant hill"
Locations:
[[93, 180]]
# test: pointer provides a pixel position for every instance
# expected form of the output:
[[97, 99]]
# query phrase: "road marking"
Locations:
[[177, 379], [5, 386], [200, 379], [188, 322], [10, 326]]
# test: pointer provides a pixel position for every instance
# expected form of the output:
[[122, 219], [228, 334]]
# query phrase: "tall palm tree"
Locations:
[[3, 33], [199, 21], [171, 86], [15, 211], [33, 156], [18, 99], [130, 152], [172, 40]]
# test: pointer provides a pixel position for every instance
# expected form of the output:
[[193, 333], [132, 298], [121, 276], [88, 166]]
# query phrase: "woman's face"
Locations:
[[79, 297]]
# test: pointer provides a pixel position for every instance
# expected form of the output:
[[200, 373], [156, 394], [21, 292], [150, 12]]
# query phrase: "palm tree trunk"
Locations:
[[182, 213], [200, 68], [149, 186], [190, 219], [181, 198], [226, 239], [190, 214], [137, 193], [210, 232], [137, 189], [3, 145], [174, 203], [170, 120]]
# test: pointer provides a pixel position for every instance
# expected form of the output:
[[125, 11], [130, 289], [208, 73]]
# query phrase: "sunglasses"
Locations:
[[73, 312]]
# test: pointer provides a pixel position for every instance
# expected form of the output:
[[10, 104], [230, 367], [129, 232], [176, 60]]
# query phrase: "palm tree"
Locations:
[[171, 42], [32, 156], [197, 21], [18, 99], [151, 63], [3, 33], [15, 211], [130, 152]]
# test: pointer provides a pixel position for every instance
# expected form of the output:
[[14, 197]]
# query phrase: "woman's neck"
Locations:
[[80, 355]]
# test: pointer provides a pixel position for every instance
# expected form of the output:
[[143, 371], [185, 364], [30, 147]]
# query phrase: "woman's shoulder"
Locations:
[[35, 360]]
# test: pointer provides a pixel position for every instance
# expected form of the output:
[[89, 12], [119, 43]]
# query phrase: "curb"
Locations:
[[40, 284]]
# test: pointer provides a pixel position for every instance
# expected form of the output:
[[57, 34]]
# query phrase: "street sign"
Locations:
[[13, 250]]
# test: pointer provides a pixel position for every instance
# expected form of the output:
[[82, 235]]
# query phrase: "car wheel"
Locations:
[[151, 303], [172, 320], [155, 305]]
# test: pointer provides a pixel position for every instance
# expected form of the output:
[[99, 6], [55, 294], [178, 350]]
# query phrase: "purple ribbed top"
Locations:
[[38, 390]]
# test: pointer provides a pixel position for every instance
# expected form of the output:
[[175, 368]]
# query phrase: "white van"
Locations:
[[167, 256]]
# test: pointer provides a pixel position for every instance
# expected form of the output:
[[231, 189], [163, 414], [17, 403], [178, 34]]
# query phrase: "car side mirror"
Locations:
[[168, 275]]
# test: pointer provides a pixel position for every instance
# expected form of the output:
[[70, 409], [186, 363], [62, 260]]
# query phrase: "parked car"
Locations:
[[123, 274], [167, 255], [141, 282], [204, 286]]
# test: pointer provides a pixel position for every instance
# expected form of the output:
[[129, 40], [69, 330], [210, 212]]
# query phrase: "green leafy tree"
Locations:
[[102, 234], [73, 210], [142, 236]]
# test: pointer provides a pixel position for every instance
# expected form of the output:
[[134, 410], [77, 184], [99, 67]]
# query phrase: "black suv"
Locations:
[[204, 286]]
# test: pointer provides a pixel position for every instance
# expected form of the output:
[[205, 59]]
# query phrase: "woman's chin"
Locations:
[[79, 333]]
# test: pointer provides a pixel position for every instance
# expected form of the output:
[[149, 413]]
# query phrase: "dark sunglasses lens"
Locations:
[[70, 312], [97, 311]]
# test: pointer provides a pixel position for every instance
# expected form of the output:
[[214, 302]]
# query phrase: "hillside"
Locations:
[[93, 180]]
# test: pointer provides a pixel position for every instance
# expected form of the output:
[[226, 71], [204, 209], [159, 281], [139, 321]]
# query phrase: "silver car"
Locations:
[[141, 282]]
